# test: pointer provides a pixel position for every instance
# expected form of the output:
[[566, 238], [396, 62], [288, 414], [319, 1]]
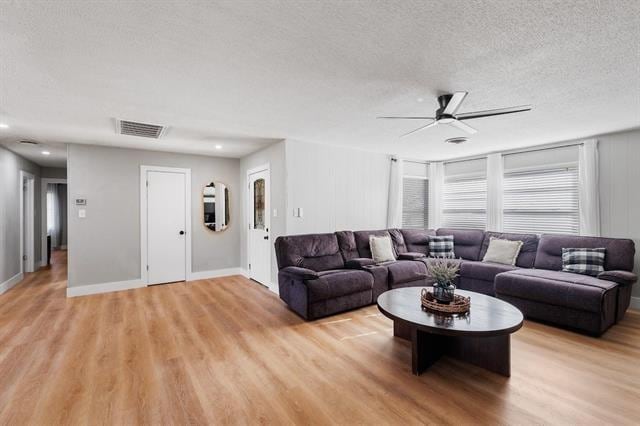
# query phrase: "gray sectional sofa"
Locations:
[[324, 274]]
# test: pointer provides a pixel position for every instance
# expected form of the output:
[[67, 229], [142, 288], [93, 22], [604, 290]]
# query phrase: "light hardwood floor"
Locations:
[[228, 351]]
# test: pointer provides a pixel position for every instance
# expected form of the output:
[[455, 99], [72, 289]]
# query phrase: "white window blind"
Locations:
[[542, 200], [465, 201], [415, 208]]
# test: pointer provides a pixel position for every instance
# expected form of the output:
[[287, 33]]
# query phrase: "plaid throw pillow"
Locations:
[[586, 261], [441, 246]]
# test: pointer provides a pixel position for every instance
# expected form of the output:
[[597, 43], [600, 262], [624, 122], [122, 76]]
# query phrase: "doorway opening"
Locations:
[[54, 221]]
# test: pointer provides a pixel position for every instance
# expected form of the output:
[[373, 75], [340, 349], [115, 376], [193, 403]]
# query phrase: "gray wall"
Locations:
[[10, 166], [54, 172], [105, 246], [273, 155]]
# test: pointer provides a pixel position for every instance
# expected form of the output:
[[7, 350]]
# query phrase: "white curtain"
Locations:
[[495, 177], [394, 210], [588, 192], [53, 214], [436, 185]]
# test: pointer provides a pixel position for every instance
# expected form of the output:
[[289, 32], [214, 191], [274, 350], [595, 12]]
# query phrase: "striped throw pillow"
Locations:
[[441, 246], [586, 261]]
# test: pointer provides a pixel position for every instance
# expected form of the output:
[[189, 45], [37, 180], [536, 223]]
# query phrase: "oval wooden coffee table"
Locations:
[[480, 337]]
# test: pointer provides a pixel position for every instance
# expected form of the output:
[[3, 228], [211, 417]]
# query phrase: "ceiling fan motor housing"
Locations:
[[443, 101]]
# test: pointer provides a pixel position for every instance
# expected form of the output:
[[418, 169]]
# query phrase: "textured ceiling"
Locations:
[[246, 73]]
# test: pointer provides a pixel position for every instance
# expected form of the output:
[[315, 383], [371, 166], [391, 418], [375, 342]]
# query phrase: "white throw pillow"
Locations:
[[381, 249], [502, 251]]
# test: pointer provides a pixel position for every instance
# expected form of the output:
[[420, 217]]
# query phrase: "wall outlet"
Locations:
[[82, 213]]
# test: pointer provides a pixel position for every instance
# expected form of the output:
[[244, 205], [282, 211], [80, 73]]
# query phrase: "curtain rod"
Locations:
[[515, 151]]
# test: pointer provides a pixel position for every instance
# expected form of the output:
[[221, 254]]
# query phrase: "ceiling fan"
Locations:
[[446, 114]]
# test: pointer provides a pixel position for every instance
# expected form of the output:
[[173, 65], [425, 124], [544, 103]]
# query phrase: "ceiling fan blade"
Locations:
[[408, 118], [426, 126], [454, 103], [463, 126], [491, 112]]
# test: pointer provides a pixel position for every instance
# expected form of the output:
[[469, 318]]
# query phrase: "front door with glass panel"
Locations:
[[259, 239]]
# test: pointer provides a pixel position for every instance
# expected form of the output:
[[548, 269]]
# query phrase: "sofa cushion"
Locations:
[[586, 261], [362, 241], [485, 271], [467, 242], [399, 244], [347, 245], [555, 288], [381, 249], [404, 271], [620, 252], [442, 246], [502, 251], [411, 256], [336, 283], [318, 252], [527, 255], [417, 240]]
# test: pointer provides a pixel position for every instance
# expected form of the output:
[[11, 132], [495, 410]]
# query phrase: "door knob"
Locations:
[[181, 232], [266, 238]]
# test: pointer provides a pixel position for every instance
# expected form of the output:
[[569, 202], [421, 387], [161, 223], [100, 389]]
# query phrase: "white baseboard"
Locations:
[[85, 290], [635, 303], [11, 282], [203, 275]]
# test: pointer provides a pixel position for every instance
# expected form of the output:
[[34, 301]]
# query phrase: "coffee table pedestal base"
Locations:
[[492, 353]]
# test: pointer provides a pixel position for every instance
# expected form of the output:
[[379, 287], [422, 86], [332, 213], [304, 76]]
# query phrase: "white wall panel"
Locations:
[[337, 188]]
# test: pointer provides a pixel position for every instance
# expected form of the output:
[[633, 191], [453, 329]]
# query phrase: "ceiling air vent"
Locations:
[[28, 142], [143, 130]]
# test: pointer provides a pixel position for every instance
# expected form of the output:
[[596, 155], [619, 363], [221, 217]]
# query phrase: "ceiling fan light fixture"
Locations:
[[457, 140]]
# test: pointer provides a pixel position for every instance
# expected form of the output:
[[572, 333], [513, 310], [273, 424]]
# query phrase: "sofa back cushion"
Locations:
[[527, 255], [467, 242], [417, 240], [399, 245], [318, 252], [619, 254], [347, 244], [362, 240]]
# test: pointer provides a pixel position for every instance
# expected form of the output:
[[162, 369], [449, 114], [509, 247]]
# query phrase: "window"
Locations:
[[465, 195], [542, 200], [415, 200]]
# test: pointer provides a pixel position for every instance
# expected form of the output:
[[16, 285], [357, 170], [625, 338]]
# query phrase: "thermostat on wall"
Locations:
[[81, 201]]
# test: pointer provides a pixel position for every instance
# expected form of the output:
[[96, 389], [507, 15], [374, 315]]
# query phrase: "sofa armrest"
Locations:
[[359, 262], [302, 273], [411, 256], [620, 277]]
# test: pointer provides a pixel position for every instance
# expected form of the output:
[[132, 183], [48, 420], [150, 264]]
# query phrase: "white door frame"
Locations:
[[249, 203], [143, 218], [27, 229], [44, 182]]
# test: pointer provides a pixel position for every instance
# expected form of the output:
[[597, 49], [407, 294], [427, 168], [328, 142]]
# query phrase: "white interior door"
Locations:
[[166, 227], [259, 224]]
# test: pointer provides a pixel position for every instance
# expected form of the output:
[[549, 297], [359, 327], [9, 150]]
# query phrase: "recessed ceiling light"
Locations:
[[218, 146], [45, 153], [4, 126]]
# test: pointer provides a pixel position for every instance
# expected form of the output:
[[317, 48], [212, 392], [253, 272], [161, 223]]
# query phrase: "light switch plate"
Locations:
[[82, 213], [275, 212]]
